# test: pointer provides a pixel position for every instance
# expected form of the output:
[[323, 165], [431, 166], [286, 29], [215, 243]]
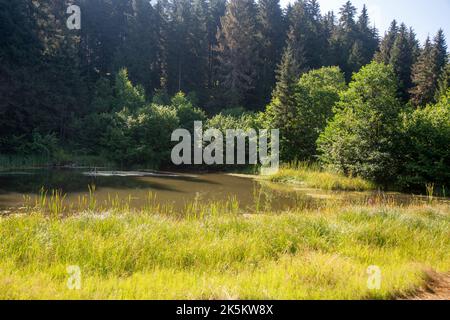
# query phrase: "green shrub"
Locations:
[[303, 116], [426, 150], [362, 138]]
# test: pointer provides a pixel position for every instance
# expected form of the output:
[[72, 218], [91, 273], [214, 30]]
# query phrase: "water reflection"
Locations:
[[177, 189]]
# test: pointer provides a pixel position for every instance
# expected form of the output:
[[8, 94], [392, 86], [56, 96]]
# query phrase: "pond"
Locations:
[[175, 189]]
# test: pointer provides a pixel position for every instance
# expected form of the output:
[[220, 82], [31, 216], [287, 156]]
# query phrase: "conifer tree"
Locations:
[[384, 53], [139, 53], [270, 18], [428, 70], [401, 59], [439, 52], [414, 45], [423, 77], [345, 39], [238, 50], [282, 111], [288, 73], [306, 35], [216, 12], [367, 36], [20, 53]]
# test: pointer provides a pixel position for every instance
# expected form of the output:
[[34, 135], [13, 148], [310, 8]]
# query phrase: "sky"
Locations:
[[425, 16]]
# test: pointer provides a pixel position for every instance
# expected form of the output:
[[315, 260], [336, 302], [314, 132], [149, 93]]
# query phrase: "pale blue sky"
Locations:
[[425, 16]]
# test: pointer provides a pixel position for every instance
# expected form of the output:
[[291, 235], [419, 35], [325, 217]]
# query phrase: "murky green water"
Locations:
[[173, 189]]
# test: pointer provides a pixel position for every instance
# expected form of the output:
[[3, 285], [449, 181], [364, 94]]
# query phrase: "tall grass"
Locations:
[[312, 176], [214, 252]]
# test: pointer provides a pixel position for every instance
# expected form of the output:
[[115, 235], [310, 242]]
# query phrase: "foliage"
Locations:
[[126, 94], [428, 69], [226, 120], [238, 52], [361, 139], [187, 114], [301, 112], [426, 154]]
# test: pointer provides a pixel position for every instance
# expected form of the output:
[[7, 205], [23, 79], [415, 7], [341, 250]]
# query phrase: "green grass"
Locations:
[[312, 176], [214, 252]]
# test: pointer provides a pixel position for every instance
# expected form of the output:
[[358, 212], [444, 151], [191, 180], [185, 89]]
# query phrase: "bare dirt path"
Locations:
[[437, 288]]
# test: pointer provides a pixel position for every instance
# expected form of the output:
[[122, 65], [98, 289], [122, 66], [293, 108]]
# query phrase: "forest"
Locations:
[[366, 104]]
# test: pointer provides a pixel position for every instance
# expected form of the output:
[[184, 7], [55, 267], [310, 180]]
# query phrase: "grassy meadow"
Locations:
[[217, 251], [312, 176]]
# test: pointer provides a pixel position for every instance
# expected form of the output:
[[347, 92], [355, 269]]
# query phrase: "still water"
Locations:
[[175, 189]]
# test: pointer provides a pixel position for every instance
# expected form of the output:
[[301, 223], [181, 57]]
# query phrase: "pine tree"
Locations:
[[288, 73], [428, 70], [216, 12], [198, 67], [270, 19], [296, 36], [384, 53], [306, 35], [282, 111], [368, 38], [402, 61], [344, 41], [238, 53], [357, 57], [20, 53], [64, 96], [439, 52], [347, 19], [424, 77], [162, 34], [139, 54], [414, 45]]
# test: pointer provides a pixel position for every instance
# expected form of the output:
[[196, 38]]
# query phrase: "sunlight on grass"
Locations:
[[221, 254], [313, 176]]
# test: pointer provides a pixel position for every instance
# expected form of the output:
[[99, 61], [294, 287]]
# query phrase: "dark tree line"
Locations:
[[223, 54]]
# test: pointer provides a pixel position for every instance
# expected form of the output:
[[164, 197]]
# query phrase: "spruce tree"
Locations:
[[216, 12], [384, 53], [401, 59], [414, 45], [439, 52], [139, 54], [367, 36], [288, 73], [238, 53], [281, 113], [270, 18], [428, 70], [20, 58], [306, 35], [424, 77], [345, 40]]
